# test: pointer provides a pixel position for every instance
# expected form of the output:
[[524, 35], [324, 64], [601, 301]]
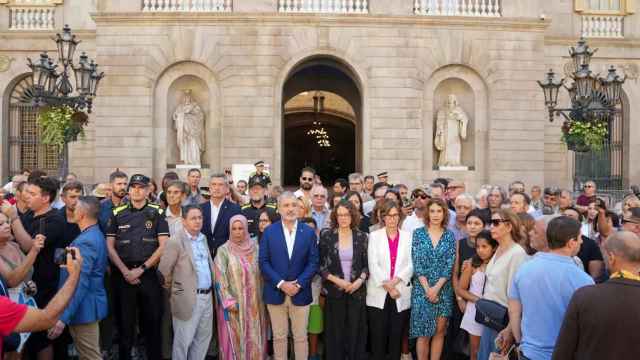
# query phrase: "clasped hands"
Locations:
[[291, 288], [133, 276], [390, 287], [348, 287], [432, 293]]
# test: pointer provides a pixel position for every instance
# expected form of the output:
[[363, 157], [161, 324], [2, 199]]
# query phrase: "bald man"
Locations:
[[602, 320]]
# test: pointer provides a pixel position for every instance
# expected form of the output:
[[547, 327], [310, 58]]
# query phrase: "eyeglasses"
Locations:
[[421, 196], [627, 221], [306, 179], [497, 222], [588, 186]]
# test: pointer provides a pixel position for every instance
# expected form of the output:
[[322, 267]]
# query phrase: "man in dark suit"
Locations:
[[288, 261], [602, 320], [216, 213]]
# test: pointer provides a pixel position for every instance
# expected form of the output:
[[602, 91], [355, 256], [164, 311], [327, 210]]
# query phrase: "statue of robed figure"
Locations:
[[451, 129], [188, 121]]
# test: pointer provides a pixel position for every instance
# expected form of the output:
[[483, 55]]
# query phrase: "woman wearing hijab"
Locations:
[[240, 311]]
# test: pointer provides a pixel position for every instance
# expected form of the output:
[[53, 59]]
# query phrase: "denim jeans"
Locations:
[[487, 343]]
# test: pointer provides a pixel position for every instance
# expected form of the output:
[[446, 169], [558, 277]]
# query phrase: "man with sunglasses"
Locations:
[[306, 183], [631, 222], [414, 221]]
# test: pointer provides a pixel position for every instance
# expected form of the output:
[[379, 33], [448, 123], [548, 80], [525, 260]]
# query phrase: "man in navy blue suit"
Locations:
[[288, 261], [216, 213]]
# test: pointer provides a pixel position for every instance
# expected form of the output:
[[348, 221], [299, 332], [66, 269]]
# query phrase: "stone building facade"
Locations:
[[383, 67]]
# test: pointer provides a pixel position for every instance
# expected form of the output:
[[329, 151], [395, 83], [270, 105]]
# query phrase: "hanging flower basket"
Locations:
[[584, 136], [61, 125]]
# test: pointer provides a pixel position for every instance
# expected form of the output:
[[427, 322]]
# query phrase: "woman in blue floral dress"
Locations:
[[433, 253]]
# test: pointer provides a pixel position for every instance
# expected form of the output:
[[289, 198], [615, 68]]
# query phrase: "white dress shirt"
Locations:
[[215, 210], [290, 237]]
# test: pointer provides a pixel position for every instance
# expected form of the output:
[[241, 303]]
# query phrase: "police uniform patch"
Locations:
[[148, 224]]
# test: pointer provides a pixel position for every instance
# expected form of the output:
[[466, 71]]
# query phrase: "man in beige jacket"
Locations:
[[190, 281]]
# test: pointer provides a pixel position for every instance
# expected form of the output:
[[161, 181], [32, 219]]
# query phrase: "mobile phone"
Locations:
[[60, 256], [41, 226]]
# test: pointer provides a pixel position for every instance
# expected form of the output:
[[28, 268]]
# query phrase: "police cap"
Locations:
[[139, 179], [259, 163]]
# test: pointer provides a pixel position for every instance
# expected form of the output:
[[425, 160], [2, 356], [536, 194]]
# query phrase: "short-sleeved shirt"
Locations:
[[544, 286], [10, 316], [584, 200], [45, 272], [589, 251]]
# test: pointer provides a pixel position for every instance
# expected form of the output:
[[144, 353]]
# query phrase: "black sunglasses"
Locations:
[[497, 222], [307, 179]]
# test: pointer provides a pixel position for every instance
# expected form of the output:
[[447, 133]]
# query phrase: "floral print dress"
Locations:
[[432, 263]]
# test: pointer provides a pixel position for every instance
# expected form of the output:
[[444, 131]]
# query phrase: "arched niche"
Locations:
[[472, 94], [168, 94], [466, 100]]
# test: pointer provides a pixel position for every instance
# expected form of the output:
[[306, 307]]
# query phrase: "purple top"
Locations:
[[346, 259]]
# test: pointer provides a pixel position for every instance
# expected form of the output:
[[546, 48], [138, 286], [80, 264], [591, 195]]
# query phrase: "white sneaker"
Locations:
[[406, 357]]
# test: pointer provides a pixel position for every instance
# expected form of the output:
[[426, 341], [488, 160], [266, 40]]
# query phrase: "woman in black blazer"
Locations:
[[344, 270]]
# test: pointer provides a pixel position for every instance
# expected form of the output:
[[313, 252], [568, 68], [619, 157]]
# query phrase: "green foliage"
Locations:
[[581, 135], [61, 125]]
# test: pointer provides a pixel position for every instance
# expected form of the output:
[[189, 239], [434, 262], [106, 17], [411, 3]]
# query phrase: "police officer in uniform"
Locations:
[[136, 235], [258, 201], [260, 174]]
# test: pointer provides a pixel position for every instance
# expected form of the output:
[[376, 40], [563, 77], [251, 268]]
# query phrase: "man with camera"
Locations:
[[20, 318], [89, 304], [136, 235]]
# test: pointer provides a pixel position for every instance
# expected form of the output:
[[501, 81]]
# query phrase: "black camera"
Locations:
[[60, 256]]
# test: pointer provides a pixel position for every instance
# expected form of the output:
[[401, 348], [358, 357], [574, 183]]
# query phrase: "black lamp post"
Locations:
[[53, 88], [592, 97]]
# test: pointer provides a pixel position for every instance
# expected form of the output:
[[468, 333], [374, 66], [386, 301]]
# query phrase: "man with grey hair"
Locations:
[[463, 204], [89, 303], [287, 276], [565, 200], [356, 183], [612, 305], [319, 211], [217, 212]]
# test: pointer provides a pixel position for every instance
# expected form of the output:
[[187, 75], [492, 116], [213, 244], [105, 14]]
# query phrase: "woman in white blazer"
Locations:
[[389, 283]]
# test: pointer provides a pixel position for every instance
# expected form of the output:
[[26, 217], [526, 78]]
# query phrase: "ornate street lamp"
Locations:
[[52, 91], [53, 88], [592, 97]]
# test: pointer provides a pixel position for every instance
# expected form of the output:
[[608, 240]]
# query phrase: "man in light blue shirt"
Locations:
[[319, 210], [542, 288]]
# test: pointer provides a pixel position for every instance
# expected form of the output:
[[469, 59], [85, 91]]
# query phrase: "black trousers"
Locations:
[[146, 298], [345, 328], [386, 328]]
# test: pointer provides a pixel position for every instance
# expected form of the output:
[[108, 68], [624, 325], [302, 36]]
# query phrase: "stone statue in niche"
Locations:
[[451, 129], [188, 121]]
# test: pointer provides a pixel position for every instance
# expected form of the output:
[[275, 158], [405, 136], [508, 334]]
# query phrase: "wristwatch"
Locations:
[[363, 276]]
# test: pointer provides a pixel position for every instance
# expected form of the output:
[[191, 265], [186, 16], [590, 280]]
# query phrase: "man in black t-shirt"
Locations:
[[589, 253], [48, 222]]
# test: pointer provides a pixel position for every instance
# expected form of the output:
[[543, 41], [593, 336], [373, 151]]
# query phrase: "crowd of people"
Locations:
[[355, 269]]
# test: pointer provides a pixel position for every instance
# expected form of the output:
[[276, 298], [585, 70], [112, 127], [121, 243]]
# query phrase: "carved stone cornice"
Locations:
[[190, 18]]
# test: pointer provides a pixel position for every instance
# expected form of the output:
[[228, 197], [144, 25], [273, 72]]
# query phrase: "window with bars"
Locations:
[[25, 148]]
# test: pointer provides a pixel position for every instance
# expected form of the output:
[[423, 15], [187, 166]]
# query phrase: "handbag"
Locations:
[[491, 313]]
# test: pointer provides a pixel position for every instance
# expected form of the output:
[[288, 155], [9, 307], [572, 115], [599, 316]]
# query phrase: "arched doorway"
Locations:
[[322, 120]]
